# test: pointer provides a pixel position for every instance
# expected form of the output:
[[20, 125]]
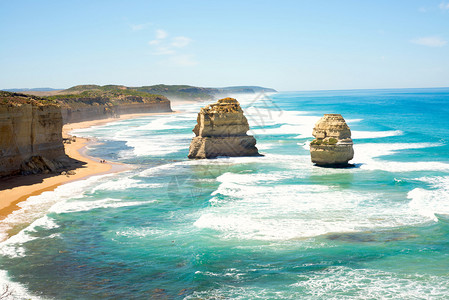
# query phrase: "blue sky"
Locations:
[[287, 45]]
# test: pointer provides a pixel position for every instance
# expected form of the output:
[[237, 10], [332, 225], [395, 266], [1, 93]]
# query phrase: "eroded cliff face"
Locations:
[[95, 112], [30, 135], [333, 145], [221, 131]]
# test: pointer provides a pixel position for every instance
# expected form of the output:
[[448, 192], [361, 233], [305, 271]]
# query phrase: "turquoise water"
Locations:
[[253, 227]]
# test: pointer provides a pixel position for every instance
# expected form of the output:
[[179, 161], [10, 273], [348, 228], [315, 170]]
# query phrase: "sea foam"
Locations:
[[17, 290], [435, 200], [251, 210]]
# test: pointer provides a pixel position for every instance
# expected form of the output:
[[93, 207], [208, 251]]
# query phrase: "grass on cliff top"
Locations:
[[172, 91], [10, 98], [149, 92], [104, 95]]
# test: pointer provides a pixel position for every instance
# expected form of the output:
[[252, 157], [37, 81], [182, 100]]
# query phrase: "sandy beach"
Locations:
[[17, 189]]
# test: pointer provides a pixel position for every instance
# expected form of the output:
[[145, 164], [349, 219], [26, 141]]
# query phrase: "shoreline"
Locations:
[[26, 186]]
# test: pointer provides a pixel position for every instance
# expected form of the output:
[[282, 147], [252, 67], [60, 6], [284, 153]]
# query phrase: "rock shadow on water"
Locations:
[[340, 166], [370, 236]]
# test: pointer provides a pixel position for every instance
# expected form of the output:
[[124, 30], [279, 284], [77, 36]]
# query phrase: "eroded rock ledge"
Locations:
[[221, 131], [332, 146]]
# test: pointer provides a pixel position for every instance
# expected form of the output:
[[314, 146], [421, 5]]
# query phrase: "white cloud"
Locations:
[[444, 6], [137, 27], [162, 45], [161, 50], [161, 34], [430, 41], [180, 41], [183, 60], [154, 42], [423, 9]]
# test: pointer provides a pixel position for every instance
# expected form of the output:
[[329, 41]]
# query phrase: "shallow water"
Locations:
[[251, 227]]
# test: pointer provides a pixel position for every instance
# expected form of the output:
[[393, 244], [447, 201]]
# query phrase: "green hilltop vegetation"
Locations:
[[178, 91], [82, 95], [10, 98], [246, 90], [171, 91]]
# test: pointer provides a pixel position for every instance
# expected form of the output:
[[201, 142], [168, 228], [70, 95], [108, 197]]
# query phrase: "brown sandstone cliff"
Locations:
[[30, 134], [221, 131], [333, 145]]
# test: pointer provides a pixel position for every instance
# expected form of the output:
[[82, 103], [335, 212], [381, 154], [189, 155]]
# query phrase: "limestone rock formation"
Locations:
[[332, 145], [221, 131], [30, 135], [103, 111]]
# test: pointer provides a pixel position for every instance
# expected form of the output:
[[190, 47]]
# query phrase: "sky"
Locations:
[[286, 45]]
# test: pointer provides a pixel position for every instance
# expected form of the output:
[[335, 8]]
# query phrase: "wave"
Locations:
[[36, 207], [18, 291], [33, 214], [342, 282], [156, 145], [121, 184], [365, 154], [285, 212], [332, 283], [375, 134], [143, 232], [430, 202], [12, 247], [89, 204]]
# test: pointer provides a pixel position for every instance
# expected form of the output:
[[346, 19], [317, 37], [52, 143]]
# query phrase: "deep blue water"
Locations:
[[253, 227]]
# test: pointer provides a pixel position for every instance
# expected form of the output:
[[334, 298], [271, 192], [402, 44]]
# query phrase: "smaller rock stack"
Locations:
[[221, 131], [332, 146]]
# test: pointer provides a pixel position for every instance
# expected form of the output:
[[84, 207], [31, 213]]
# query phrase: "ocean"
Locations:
[[271, 227]]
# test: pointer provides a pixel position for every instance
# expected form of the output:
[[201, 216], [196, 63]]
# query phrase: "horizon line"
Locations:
[[285, 91]]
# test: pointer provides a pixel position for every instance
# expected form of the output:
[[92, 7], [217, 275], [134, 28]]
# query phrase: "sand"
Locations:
[[16, 189]]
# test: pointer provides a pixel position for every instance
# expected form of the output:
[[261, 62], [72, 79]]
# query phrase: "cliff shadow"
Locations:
[[65, 164]]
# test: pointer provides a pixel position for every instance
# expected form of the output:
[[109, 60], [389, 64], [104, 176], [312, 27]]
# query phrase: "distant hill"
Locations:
[[93, 102], [246, 89], [83, 95], [31, 90], [173, 92]]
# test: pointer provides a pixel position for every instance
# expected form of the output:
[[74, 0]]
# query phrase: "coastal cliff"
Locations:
[[30, 134], [104, 111], [221, 131], [174, 92], [333, 145], [92, 102]]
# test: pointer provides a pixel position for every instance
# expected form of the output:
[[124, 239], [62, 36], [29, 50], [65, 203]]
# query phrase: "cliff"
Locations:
[[200, 93], [221, 131], [104, 111], [30, 135], [92, 102], [185, 92], [333, 145]]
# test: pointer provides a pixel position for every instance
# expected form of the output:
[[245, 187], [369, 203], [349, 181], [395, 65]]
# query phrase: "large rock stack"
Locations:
[[221, 131], [332, 145]]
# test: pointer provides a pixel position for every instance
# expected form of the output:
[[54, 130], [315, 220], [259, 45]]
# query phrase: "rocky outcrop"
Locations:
[[30, 135], [332, 145], [221, 131]]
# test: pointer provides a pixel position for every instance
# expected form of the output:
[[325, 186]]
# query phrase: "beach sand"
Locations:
[[19, 188]]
